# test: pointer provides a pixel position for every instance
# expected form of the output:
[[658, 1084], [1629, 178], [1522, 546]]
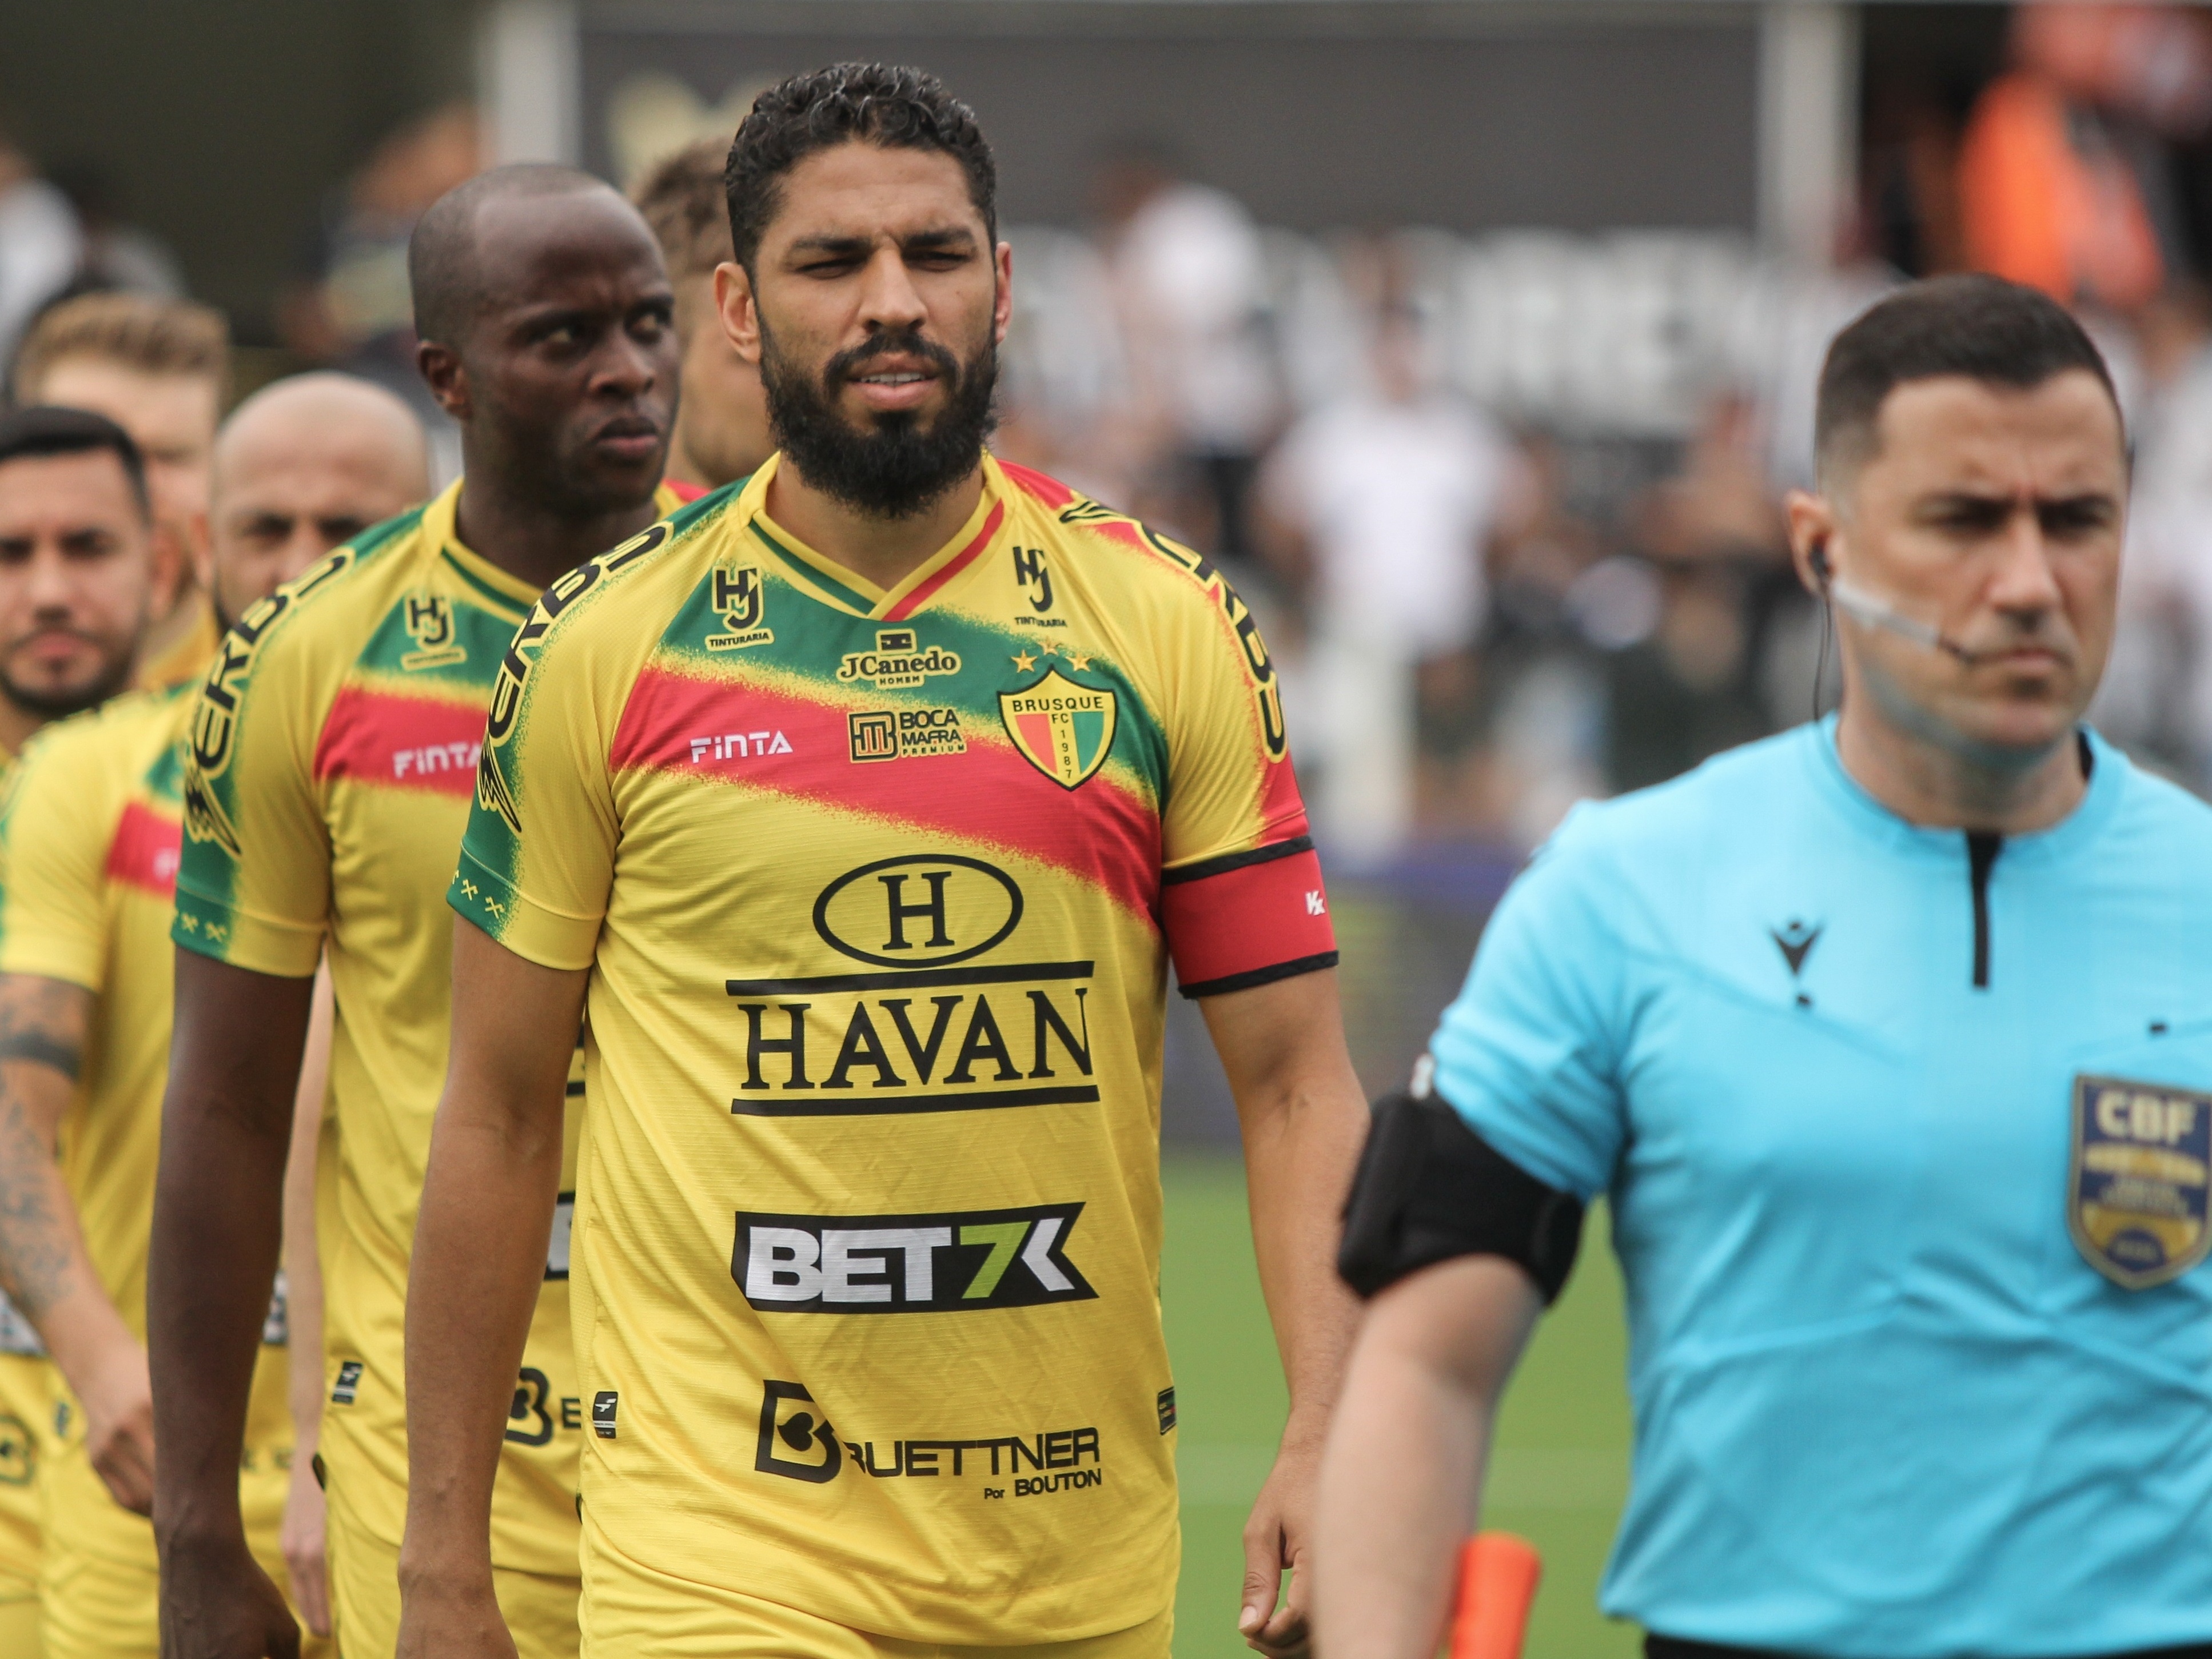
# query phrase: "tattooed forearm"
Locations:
[[42, 1049], [42, 1027]]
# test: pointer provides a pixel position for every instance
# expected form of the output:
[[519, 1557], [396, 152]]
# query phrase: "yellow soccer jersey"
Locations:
[[327, 783], [89, 847], [23, 1392], [878, 892]]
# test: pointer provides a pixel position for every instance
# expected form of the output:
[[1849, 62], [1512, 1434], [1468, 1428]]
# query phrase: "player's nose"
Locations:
[[888, 299]]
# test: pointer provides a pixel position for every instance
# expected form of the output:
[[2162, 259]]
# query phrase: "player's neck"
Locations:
[[884, 551], [532, 542], [1943, 786], [17, 727], [680, 468]]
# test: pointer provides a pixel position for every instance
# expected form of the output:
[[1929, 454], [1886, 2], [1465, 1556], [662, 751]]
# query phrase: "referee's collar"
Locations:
[[2107, 783]]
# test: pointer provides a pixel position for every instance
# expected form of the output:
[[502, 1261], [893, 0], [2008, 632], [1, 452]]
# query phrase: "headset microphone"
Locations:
[[1865, 608]]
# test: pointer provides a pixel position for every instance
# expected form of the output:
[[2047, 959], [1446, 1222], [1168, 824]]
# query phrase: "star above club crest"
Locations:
[[1078, 661], [1025, 662], [1048, 647]]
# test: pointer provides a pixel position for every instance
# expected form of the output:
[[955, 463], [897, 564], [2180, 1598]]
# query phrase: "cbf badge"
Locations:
[[1063, 729], [2139, 1177]]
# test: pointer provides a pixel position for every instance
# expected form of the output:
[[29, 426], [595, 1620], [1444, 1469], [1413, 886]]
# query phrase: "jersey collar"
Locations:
[[486, 582], [846, 590], [2108, 782]]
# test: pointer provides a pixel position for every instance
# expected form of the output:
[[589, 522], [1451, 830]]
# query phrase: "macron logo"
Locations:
[[1315, 904], [433, 757], [738, 746]]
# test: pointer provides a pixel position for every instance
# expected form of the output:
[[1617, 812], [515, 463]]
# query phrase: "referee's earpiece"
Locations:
[[1818, 558]]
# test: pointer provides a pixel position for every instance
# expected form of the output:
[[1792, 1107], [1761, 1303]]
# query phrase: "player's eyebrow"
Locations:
[[855, 246]]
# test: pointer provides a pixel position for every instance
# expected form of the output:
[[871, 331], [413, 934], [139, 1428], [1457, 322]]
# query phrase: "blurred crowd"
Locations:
[[1508, 506]]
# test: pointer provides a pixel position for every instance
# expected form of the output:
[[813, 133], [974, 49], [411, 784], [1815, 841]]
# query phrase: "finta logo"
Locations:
[[1316, 902], [738, 746], [433, 757]]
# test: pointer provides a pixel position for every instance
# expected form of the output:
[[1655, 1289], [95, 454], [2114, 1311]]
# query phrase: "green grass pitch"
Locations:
[[1558, 1474]]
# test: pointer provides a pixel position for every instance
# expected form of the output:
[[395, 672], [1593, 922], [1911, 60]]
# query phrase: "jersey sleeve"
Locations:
[[254, 886], [1241, 899], [1529, 1053], [537, 860], [55, 833]]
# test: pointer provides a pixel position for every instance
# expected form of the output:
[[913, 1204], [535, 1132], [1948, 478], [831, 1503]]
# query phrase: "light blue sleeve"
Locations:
[[1529, 1053]]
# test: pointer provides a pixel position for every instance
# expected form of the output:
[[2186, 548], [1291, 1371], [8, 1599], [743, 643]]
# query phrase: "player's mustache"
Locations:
[[906, 342]]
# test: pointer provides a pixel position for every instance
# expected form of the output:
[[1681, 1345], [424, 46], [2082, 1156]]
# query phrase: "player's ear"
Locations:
[[442, 371], [733, 304], [1002, 305]]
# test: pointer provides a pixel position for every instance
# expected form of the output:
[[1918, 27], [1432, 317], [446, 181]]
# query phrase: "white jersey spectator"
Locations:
[[1394, 489], [1189, 268], [1384, 500]]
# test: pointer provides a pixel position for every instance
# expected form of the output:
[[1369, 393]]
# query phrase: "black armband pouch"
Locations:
[[1430, 1189]]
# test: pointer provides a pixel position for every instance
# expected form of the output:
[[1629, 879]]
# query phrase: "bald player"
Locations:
[[300, 466], [332, 762], [89, 851], [721, 422]]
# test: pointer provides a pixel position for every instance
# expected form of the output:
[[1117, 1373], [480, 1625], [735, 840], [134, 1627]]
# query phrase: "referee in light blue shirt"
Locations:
[[1890, 1041]]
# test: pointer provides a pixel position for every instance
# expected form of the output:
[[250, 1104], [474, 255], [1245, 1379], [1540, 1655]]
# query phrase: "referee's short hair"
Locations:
[[43, 431], [1982, 327]]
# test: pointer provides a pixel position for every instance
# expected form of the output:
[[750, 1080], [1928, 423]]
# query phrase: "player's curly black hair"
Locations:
[[893, 105]]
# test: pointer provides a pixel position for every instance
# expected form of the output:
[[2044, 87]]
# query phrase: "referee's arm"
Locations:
[[1464, 1222], [1407, 1451]]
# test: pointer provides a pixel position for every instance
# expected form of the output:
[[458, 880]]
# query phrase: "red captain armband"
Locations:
[[1248, 919]]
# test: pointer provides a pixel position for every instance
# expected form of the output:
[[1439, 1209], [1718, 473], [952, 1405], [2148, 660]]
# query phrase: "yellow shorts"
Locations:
[[632, 1612], [540, 1609], [23, 1390], [100, 1583]]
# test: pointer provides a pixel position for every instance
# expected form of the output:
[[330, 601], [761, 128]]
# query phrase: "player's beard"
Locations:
[[59, 705], [895, 467]]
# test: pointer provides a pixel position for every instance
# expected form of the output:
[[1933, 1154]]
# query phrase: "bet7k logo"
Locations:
[[882, 1264]]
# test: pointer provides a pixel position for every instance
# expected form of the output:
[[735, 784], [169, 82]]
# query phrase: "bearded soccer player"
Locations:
[[79, 580], [89, 851], [865, 806], [330, 761], [160, 369]]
